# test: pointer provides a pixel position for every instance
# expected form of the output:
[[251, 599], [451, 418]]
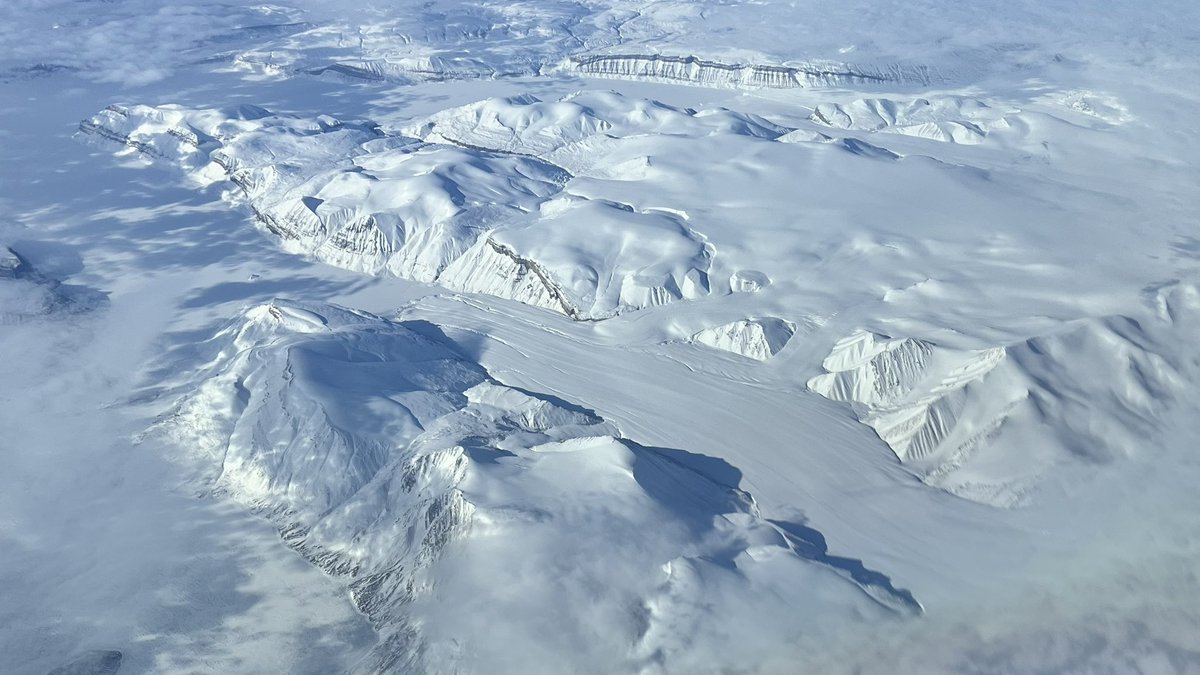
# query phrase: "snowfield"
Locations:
[[597, 336]]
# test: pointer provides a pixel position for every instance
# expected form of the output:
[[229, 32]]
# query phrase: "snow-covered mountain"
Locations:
[[496, 221], [388, 459], [758, 339], [987, 424]]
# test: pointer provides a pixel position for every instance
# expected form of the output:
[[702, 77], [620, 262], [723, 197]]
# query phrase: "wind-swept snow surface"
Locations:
[[559, 336]]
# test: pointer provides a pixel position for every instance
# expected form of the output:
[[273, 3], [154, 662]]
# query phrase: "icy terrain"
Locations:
[[602, 337], [490, 220]]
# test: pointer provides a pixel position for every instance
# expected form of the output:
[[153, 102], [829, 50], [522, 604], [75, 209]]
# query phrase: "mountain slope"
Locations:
[[470, 218], [989, 424]]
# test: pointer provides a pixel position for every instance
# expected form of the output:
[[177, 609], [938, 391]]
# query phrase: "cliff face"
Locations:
[[710, 73]]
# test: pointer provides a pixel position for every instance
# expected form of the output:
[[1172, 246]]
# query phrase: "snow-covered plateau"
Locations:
[[599, 336]]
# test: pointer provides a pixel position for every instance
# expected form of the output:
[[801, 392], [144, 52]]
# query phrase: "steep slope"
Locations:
[[466, 514], [574, 131], [989, 424]]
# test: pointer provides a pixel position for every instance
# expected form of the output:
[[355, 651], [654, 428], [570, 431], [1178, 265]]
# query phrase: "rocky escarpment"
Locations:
[[695, 70], [572, 132], [27, 294]]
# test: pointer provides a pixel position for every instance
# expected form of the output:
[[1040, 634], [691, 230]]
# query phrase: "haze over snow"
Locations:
[[598, 336]]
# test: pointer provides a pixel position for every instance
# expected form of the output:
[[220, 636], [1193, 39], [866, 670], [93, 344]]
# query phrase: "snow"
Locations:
[[26, 294], [976, 422], [455, 215], [573, 131], [557, 336], [946, 119], [758, 339]]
